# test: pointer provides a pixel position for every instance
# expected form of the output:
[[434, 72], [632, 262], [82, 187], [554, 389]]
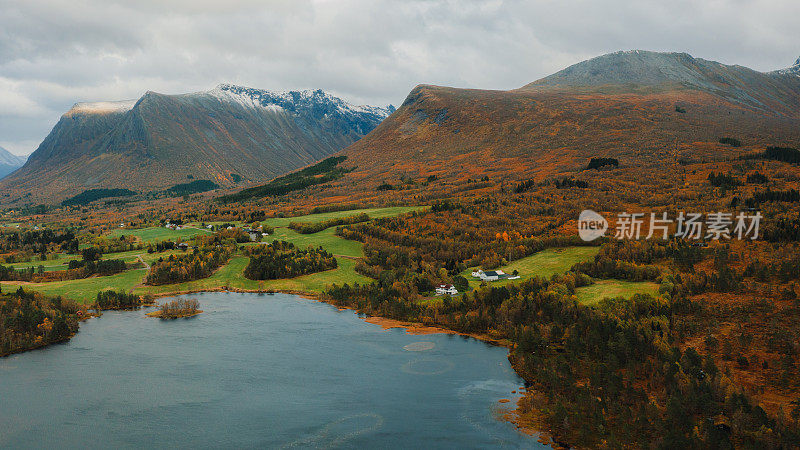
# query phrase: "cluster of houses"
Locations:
[[255, 235], [489, 275]]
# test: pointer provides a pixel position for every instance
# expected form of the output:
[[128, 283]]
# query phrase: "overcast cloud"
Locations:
[[56, 53]]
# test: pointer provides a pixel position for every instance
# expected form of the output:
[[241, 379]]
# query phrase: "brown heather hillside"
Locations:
[[457, 133], [555, 125]]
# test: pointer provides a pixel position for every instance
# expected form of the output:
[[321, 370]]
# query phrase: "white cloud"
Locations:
[[14, 103], [55, 53]]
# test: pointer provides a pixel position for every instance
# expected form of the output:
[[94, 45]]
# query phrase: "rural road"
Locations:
[[146, 266]]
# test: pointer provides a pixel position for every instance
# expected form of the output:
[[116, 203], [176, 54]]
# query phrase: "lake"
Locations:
[[258, 370]]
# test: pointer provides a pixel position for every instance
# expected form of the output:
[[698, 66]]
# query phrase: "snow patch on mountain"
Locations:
[[9, 159], [241, 98], [102, 107], [293, 100], [793, 70]]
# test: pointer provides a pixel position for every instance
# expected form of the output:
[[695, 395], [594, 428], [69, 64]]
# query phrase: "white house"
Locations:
[[448, 289]]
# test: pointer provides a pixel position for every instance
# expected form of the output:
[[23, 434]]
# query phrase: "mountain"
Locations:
[[224, 135], [644, 108], [793, 70], [9, 162], [644, 71]]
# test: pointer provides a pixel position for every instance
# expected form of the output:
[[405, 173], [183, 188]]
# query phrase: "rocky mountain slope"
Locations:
[[226, 135]]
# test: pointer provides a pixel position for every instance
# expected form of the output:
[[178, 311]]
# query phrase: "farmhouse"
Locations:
[[493, 275], [489, 275], [446, 289]]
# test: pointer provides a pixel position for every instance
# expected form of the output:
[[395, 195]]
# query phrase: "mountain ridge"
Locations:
[[225, 134], [643, 108], [647, 71]]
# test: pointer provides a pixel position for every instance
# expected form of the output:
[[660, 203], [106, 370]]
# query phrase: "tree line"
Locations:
[[282, 259]]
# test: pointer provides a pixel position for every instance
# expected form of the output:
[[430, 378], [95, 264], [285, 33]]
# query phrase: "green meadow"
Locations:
[[542, 264], [59, 262], [157, 234], [230, 276], [592, 294], [85, 290], [325, 238], [373, 213]]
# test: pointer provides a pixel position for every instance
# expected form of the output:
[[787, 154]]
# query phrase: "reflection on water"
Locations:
[[427, 366], [419, 346], [256, 371], [338, 432]]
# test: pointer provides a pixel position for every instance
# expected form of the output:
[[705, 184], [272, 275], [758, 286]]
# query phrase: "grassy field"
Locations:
[[156, 234], [49, 265], [84, 290], [543, 264], [63, 259], [229, 276], [232, 276], [589, 295], [326, 238], [374, 213]]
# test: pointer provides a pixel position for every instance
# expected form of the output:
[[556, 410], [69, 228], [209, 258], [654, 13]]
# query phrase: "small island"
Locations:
[[177, 308]]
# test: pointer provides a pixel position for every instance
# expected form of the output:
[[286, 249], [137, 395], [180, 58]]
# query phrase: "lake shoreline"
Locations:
[[523, 425]]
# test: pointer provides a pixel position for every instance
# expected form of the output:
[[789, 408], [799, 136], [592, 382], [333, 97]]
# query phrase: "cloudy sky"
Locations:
[[56, 53]]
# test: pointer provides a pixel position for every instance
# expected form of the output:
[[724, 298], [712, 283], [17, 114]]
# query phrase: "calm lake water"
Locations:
[[257, 370]]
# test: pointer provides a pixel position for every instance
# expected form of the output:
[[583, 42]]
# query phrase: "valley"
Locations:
[[624, 341]]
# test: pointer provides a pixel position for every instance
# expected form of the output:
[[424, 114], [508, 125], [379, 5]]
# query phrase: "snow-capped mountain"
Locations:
[[225, 135], [9, 162], [794, 69], [317, 102]]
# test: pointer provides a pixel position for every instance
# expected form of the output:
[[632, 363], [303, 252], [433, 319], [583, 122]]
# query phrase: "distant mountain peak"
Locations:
[[639, 71], [639, 67], [794, 69], [292, 100], [11, 159], [9, 162], [226, 134]]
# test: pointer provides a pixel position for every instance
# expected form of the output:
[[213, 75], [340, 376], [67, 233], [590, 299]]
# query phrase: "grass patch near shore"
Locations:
[[84, 290], [592, 294], [231, 276], [546, 263]]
